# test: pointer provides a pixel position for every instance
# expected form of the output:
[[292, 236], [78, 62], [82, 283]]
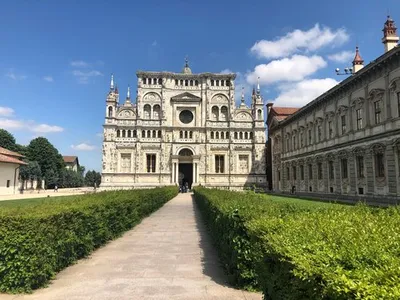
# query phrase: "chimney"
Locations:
[[269, 106], [390, 37]]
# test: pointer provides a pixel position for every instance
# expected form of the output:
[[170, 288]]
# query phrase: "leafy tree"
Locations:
[[51, 178], [81, 170], [92, 177], [47, 156], [7, 140], [30, 172], [70, 178]]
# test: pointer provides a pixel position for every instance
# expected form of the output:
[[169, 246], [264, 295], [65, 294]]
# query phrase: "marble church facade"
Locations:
[[183, 127], [345, 143]]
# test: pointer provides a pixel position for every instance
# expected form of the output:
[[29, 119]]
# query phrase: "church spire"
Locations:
[[112, 82], [186, 68], [358, 62], [258, 85], [128, 93], [242, 104], [390, 37]]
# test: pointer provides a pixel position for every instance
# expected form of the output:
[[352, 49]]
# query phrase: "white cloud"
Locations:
[[11, 124], [48, 78], [83, 147], [84, 76], [342, 57], [44, 128], [226, 71], [6, 111], [14, 124], [301, 93], [14, 76], [100, 134], [79, 64], [298, 40], [295, 68]]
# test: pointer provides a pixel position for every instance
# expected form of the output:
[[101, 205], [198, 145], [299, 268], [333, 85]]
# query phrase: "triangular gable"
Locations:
[[187, 97]]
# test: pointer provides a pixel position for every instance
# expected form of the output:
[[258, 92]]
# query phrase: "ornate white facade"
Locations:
[[183, 127]]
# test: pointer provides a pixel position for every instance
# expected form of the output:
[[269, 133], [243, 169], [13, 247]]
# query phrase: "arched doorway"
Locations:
[[185, 167]]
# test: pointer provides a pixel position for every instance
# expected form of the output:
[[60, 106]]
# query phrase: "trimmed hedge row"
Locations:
[[37, 241], [305, 250]]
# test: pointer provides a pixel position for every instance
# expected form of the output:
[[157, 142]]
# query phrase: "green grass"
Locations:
[[31, 201]]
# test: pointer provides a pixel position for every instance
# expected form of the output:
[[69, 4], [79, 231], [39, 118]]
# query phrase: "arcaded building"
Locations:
[[183, 128], [345, 143]]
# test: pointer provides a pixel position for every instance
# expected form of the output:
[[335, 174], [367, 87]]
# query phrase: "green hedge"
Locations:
[[42, 238], [305, 250]]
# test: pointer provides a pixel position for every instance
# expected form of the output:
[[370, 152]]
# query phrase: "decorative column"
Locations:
[[352, 173], [369, 172], [391, 168]]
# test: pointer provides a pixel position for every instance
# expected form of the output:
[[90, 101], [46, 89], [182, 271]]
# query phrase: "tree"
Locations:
[[92, 177], [81, 170], [47, 156], [7, 140], [51, 178], [70, 178], [31, 172]]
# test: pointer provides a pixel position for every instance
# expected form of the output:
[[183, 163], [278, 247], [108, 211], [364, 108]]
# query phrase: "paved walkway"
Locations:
[[168, 256]]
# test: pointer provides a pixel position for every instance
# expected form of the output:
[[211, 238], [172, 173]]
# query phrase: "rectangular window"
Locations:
[[294, 173], [287, 145], [359, 118], [301, 140], [398, 104], [151, 163], [279, 175], [302, 172], [294, 142], [379, 165], [320, 171], [319, 129], [343, 118], [310, 171], [344, 168], [8, 183], [360, 166], [330, 129], [331, 170], [288, 173], [309, 136], [377, 107], [219, 163]]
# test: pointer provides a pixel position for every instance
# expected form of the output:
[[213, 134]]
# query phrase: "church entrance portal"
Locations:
[[186, 174], [185, 167]]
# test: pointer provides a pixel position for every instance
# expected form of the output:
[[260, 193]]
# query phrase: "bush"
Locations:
[[40, 239], [305, 250]]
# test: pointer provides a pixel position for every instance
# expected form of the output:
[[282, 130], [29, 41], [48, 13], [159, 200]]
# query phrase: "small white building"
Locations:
[[10, 162], [71, 162]]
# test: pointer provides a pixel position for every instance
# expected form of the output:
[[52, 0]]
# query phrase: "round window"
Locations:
[[186, 116]]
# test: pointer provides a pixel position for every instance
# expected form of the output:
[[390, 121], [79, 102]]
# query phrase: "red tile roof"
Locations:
[[357, 59], [10, 159], [284, 110], [70, 159], [10, 153]]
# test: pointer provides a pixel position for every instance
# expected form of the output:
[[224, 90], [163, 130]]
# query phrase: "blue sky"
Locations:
[[56, 57]]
